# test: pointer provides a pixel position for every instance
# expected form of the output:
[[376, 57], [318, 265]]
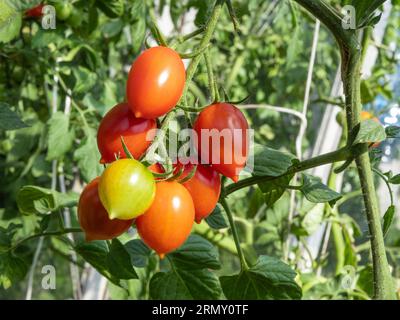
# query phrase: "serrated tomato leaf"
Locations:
[[216, 219], [179, 284], [370, 131], [269, 278], [315, 191]]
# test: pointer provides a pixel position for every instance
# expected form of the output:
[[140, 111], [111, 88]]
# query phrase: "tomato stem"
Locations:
[[352, 55], [211, 25], [235, 234], [211, 80], [45, 234], [341, 154]]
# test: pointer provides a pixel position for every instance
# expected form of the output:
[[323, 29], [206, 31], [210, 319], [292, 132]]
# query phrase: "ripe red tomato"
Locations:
[[93, 217], [155, 82], [34, 12], [167, 223], [120, 121], [231, 127], [204, 187]]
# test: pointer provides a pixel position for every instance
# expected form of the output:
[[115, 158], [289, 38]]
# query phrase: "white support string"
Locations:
[[303, 127]]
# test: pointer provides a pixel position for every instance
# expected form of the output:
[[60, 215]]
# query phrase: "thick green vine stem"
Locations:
[[235, 234], [341, 154], [351, 76]]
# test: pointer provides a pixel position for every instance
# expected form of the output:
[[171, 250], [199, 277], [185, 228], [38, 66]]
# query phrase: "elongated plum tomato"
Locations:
[[126, 189], [155, 82], [365, 115], [93, 217], [167, 223], [222, 139], [204, 187], [120, 121]]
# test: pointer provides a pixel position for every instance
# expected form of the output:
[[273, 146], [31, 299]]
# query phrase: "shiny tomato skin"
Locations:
[[93, 217], [224, 117], [204, 187], [120, 121], [34, 12], [166, 225], [155, 82], [126, 189]]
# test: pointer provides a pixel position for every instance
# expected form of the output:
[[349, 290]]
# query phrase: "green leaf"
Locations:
[[9, 120], [10, 22], [119, 261], [12, 269], [270, 162], [392, 131], [204, 10], [89, 54], [33, 200], [43, 38], [367, 94], [139, 252], [95, 253], [87, 156], [84, 79], [5, 241], [113, 262], [388, 219], [395, 179], [365, 10], [370, 131], [195, 253], [179, 284], [269, 278], [60, 138], [112, 28], [138, 33], [274, 189], [315, 191], [216, 219], [111, 8]]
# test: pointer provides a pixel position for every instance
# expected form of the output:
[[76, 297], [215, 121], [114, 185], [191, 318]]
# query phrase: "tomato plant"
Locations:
[[121, 122], [167, 223], [155, 82], [226, 158], [291, 200], [126, 189], [93, 217]]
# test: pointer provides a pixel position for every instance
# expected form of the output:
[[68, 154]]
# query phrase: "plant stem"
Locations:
[[351, 53], [209, 30], [382, 176], [210, 74], [45, 234], [243, 262], [335, 156]]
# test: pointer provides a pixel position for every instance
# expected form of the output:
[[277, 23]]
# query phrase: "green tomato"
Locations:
[[63, 10], [75, 18], [126, 189]]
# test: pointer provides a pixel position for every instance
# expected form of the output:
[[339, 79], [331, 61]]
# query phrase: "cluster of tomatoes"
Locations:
[[128, 192]]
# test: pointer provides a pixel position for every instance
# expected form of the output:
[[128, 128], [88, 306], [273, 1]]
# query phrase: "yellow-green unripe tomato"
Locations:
[[126, 189]]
